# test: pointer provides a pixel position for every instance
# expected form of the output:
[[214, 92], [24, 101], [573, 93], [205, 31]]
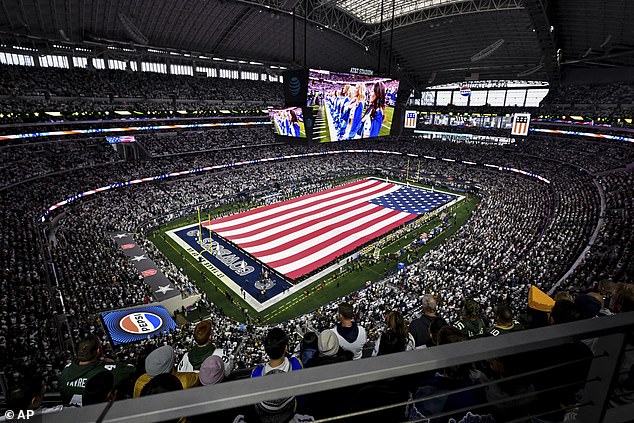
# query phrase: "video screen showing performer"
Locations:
[[288, 122], [351, 106]]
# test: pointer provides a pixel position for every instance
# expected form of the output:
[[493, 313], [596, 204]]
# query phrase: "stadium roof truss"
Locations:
[[595, 34], [363, 19], [428, 41]]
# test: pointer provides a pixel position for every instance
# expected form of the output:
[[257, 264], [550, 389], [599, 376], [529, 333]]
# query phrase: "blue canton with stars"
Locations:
[[413, 200]]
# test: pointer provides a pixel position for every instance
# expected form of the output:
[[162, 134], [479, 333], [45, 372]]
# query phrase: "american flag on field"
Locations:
[[300, 235], [521, 121], [410, 119]]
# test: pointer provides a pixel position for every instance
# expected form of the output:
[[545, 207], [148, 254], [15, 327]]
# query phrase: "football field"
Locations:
[[267, 254]]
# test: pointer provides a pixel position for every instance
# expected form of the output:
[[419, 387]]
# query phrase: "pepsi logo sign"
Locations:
[[140, 323], [294, 86], [465, 91]]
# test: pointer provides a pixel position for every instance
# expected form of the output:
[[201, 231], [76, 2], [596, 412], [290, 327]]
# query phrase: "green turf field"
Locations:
[[319, 292]]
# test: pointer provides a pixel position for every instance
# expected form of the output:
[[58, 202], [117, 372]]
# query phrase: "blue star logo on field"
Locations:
[[141, 323]]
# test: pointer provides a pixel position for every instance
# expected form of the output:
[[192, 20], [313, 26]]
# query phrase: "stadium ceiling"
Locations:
[[370, 12], [595, 34], [427, 42]]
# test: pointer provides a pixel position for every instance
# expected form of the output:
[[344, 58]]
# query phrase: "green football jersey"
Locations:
[[74, 377]]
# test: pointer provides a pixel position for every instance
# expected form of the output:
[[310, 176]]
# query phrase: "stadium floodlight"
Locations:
[[487, 51]]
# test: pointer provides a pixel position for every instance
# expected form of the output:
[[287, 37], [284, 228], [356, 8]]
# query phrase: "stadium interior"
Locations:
[[196, 195]]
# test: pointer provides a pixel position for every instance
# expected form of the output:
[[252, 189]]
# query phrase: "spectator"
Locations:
[[329, 350], [570, 361], [193, 359], [419, 328], [212, 370], [160, 361], [309, 348], [504, 322], [471, 323], [440, 386], [28, 394], [588, 305], [399, 339], [564, 311], [434, 327], [100, 388], [276, 347], [89, 363], [165, 382], [352, 337], [622, 301], [329, 353]]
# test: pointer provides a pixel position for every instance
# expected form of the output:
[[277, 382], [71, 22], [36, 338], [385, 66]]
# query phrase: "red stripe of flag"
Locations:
[[295, 207], [320, 228], [316, 264], [280, 232], [298, 216], [294, 200]]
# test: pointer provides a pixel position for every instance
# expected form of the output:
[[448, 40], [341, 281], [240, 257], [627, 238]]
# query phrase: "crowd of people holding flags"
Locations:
[[523, 232]]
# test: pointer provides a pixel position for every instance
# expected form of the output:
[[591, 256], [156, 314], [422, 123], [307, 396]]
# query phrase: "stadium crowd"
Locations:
[[523, 232], [191, 141], [611, 102], [612, 94], [27, 93], [50, 82]]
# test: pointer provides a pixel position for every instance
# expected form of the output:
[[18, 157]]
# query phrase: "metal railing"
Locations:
[[608, 336]]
